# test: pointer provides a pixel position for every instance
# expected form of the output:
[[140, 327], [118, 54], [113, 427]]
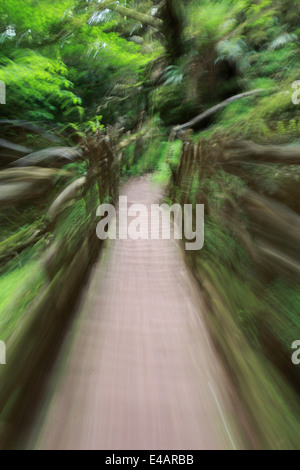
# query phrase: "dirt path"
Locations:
[[138, 371]]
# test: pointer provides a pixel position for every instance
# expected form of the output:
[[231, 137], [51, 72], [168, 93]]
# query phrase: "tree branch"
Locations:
[[214, 109], [131, 13]]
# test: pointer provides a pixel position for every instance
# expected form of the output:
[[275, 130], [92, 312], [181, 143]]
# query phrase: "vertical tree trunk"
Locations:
[[170, 11]]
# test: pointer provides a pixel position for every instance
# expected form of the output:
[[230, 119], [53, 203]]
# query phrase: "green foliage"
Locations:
[[173, 103], [172, 75], [19, 288], [208, 20], [152, 152], [58, 65], [39, 85]]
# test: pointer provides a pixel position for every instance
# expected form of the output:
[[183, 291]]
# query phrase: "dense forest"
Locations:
[[201, 94]]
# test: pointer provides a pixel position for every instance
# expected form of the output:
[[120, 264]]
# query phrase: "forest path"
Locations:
[[137, 369]]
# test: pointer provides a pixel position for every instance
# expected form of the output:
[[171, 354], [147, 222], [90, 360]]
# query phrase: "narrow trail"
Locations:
[[137, 369]]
